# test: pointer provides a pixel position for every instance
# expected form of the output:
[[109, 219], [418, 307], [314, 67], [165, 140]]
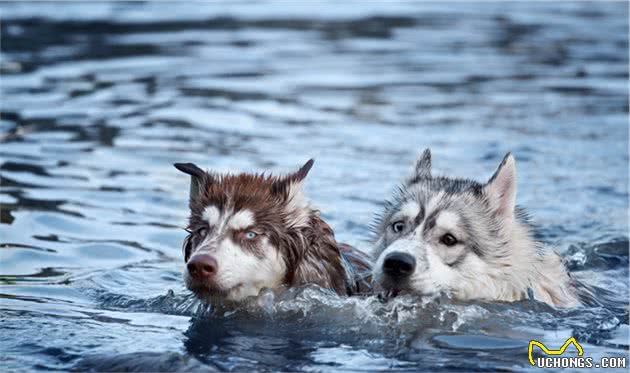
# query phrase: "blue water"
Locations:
[[98, 100]]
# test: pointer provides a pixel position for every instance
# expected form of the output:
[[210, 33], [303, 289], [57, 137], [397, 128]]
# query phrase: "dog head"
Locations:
[[238, 229], [441, 234]]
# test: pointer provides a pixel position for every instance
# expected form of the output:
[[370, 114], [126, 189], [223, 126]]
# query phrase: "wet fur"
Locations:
[[291, 229], [498, 259]]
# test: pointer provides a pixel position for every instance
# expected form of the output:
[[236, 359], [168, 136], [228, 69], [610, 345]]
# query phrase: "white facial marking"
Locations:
[[246, 274], [433, 202], [211, 214], [437, 276], [408, 210], [241, 220], [447, 220]]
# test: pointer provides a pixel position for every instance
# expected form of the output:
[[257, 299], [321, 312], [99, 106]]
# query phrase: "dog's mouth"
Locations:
[[387, 295], [393, 286], [208, 292], [392, 289], [389, 291]]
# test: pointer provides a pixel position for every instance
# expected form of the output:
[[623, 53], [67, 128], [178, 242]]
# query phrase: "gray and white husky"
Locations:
[[253, 231], [466, 239]]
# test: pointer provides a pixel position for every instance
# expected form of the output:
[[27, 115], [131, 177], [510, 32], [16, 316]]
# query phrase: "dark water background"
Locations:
[[99, 99]]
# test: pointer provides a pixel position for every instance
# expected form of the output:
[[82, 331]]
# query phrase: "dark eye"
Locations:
[[202, 232], [250, 235], [448, 239], [398, 226]]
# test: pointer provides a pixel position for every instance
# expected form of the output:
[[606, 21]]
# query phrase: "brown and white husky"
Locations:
[[253, 231]]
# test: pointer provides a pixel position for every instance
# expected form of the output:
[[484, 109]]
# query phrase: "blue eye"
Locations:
[[202, 232], [250, 235]]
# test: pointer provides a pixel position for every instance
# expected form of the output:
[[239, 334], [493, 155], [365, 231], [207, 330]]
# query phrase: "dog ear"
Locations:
[[422, 169], [290, 186], [300, 174], [501, 188], [197, 177], [289, 190]]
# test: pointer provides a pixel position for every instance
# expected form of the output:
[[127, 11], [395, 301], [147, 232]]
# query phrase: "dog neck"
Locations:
[[313, 256]]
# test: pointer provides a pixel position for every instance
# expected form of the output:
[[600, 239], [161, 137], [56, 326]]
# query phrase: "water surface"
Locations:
[[99, 100]]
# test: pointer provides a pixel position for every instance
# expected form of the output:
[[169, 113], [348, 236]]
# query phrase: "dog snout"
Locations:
[[202, 266], [399, 265]]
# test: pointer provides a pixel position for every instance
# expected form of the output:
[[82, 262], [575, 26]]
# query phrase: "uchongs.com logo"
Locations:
[[555, 358]]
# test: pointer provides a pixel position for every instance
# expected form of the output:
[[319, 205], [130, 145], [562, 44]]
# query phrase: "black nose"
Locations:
[[399, 265]]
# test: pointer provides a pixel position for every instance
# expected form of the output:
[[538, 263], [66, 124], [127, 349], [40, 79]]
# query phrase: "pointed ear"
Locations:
[[197, 176], [290, 186], [422, 169], [501, 188], [300, 174]]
